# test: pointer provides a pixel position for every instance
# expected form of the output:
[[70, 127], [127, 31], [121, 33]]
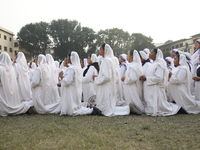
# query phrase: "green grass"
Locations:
[[94, 132]]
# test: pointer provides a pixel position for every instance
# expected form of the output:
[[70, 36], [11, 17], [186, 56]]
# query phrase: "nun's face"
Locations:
[[120, 60], [89, 60], [173, 54], [68, 60], [129, 57], [176, 61], [196, 45], [101, 52], [152, 55]]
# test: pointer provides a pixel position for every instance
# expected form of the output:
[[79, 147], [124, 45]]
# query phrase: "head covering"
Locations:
[[184, 65], [144, 55], [198, 41], [123, 57], [21, 61], [85, 62], [94, 58], [33, 65], [108, 51], [187, 55], [76, 66], [147, 51], [50, 60], [162, 64], [8, 80], [56, 63], [174, 50], [168, 59], [136, 59]]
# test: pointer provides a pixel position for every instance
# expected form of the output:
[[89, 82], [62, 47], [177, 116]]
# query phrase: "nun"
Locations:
[[168, 61], [155, 83], [71, 88], [46, 99], [89, 88], [23, 77], [106, 84], [132, 84], [179, 86]]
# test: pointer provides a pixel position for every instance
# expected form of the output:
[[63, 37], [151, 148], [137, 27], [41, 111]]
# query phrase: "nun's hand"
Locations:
[[170, 74], [196, 78], [143, 78], [123, 78], [59, 84], [94, 76], [61, 75]]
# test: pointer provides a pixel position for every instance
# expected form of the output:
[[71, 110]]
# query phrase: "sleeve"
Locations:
[[179, 78], [122, 71], [105, 74], [36, 78], [158, 77], [195, 58], [132, 76], [69, 77], [89, 74]]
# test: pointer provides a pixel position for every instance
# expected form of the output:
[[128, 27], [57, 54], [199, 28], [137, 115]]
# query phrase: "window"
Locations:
[[11, 50], [10, 39], [172, 47], [5, 48], [181, 45], [0, 35], [0, 47], [5, 37], [15, 52], [15, 44], [176, 46]]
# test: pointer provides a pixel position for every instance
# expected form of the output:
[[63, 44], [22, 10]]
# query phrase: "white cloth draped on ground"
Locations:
[[132, 84], [179, 88], [71, 89], [23, 77], [89, 88], [45, 96], [154, 89], [9, 99], [106, 84]]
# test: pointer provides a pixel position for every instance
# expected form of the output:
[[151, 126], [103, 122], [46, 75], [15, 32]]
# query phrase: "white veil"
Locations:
[[94, 58]]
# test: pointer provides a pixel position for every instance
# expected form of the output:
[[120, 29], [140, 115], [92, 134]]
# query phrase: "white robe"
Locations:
[[180, 92], [70, 97], [154, 93], [89, 88], [45, 94], [106, 91], [23, 80], [9, 98], [133, 86]]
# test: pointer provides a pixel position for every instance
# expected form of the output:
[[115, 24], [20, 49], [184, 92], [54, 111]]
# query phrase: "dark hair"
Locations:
[[90, 55], [131, 52], [177, 55], [69, 54], [155, 50], [103, 46]]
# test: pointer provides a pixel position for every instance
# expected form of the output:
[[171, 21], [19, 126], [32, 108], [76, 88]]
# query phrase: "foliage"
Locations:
[[116, 38], [168, 41], [139, 42], [34, 38]]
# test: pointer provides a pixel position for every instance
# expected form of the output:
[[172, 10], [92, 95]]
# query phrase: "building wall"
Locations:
[[186, 45], [6, 42]]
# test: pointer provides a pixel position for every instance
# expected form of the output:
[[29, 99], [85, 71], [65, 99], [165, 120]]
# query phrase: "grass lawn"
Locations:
[[94, 132]]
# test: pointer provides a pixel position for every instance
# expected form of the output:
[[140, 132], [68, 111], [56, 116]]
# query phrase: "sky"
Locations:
[[162, 20]]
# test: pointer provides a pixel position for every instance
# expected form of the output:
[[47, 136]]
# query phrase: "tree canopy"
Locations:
[[65, 35]]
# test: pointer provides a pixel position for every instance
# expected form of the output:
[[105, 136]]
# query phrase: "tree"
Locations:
[[140, 41], [168, 41], [34, 38], [116, 38], [69, 35]]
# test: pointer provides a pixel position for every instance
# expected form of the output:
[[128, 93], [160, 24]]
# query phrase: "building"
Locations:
[[10, 45], [185, 45], [6, 42]]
